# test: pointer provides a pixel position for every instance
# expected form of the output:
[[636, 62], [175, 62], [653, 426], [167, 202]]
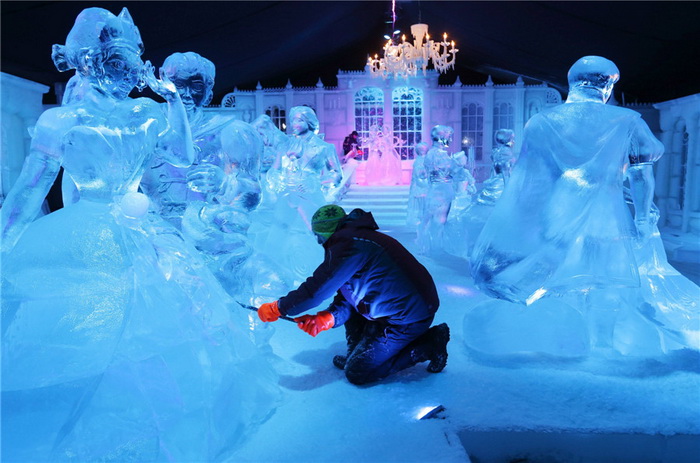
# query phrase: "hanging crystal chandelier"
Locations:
[[403, 59]]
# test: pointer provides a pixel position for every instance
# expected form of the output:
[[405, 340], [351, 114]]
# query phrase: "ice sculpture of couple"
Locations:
[[383, 165], [304, 175], [448, 187], [116, 337], [572, 270]]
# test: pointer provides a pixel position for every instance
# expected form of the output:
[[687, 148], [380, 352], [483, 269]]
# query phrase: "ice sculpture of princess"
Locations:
[[503, 159], [419, 186], [211, 200], [303, 178], [310, 163], [562, 246], [117, 343], [383, 161], [456, 230], [441, 168]]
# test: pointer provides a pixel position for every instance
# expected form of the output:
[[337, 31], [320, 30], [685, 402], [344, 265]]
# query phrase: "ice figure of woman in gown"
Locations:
[[302, 177], [456, 241], [383, 161], [442, 170], [562, 241], [419, 186], [309, 160], [118, 344], [502, 159]]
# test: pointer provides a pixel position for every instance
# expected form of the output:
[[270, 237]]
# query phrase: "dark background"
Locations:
[[656, 45]]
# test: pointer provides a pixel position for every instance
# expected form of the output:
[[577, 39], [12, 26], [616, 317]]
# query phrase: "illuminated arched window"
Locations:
[[503, 117], [278, 116], [473, 129], [407, 108], [369, 110]]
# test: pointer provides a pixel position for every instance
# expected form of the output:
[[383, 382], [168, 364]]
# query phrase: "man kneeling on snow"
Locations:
[[385, 298]]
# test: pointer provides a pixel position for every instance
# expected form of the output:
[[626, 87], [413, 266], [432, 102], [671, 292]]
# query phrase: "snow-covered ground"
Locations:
[[629, 410]]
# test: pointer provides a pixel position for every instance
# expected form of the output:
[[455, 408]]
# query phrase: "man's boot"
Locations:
[[440, 336], [339, 361], [433, 347]]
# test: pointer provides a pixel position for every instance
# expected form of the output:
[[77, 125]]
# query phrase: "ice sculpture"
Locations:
[[276, 144], [303, 178], [309, 162], [224, 175], [117, 343], [383, 161], [274, 141], [456, 229], [442, 170], [419, 186], [503, 159], [210, 201], [562, 241]]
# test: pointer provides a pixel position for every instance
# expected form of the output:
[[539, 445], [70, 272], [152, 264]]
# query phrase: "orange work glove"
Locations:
[[314, 324], [269, 311]]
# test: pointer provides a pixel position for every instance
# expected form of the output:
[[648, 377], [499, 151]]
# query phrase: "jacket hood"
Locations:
[[358, 218]]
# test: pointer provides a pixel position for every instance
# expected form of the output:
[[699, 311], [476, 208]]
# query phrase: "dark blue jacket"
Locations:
[[371, 273]]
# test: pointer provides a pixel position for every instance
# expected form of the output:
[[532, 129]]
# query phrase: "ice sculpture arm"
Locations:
[[420, 174], [642, 183], [206, 178], [334, 172], [24, 200], [176, 141], [645, 150], [240, 190]]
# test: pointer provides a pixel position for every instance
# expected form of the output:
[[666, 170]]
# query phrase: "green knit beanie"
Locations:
[[326, 220]]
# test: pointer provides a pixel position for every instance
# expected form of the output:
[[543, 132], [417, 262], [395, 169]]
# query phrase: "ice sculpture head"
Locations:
[[104, 48], [421, 149], [442, 135], [193, 76], [592, 78], [266, 128], [505, 137], [303, 119]]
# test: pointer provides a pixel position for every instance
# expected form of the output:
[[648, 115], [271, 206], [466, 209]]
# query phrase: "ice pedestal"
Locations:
[[549, 327]]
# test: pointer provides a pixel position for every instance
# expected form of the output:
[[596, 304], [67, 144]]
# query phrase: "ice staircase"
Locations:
[[388, 204]]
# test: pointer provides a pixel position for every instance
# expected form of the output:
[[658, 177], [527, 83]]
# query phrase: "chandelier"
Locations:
[[403, 59]]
